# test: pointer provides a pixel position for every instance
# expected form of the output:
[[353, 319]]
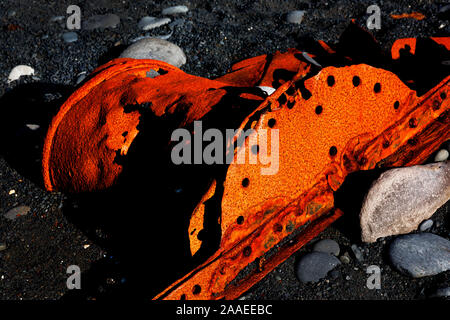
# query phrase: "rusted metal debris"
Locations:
[[341, 115]]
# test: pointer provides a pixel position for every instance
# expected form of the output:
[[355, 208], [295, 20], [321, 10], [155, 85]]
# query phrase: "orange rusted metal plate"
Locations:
[[93, 125], [339, 121]]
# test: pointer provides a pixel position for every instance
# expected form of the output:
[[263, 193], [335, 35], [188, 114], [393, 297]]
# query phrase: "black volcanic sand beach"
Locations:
[[111, 241]]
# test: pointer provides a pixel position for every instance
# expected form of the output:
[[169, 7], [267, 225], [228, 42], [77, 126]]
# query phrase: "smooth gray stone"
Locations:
[[357, 252], [147, 23], [175, 10], [315, 266], [420, 255], [328, 246], [157, 49], [16, 212], [101, 22], [427, 224], [295, 16], [70, 37]]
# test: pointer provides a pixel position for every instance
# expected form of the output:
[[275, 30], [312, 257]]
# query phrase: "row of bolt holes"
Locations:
[[333, 151]]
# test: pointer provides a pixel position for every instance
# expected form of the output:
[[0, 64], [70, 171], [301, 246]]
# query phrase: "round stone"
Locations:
[[442, 155], [157, 49], [427, 224], [70, 37], [328, 246], [315, 266], [420, 255]]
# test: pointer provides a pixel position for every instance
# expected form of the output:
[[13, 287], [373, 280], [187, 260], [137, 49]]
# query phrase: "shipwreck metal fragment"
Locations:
[[334, 117]]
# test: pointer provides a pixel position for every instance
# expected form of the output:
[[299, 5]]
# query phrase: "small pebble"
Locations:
[[334, 274], [81, 77], [347, 278], [442, 155], [17, 212], [57, 18], [147, 23], [2, 246], [33, 127], [419, 255], [357, 253], [328, 246], [427, 224], [70, 37], [345, 258], [18, 71], [175, 10], [314, 266], [101, 22], [295, 16]]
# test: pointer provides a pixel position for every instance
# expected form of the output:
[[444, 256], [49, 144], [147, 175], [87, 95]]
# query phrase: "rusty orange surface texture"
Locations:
[[326, 120], [412, 15]]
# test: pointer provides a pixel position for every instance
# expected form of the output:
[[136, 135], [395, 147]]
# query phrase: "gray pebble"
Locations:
[[357, 253], [2, 246], [328, 246], [101, 22], [17, 212], [442, 155], [147, 23], [334, 274], [314, 266], [70, 37], [345, 258], [81, 77], [175, 10], [420, 255], [57, 18], [295, 16], [427, 224], [157, 49]]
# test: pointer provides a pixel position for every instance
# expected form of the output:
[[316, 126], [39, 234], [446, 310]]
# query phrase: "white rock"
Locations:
[[402, 198], [157, 49], [268, 90], [175, 10], [33, 127], [147, 23], [442, 155], [19, 71], [295, 16]]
